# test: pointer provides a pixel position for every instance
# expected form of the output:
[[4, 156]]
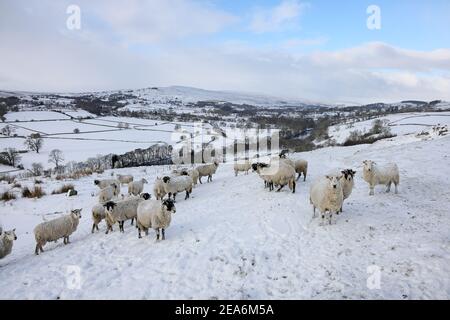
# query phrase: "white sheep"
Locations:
[[136, 187], [277, 173], [6, 242], [173, 185], [158, 189], [125, 179], [326, 195], [207, 170], [375, 174], [55, 229], [301, 166], [120, 211], [106, 183], [108, 193], [193, 173], [98, 214], [156, 215], [243, 166]]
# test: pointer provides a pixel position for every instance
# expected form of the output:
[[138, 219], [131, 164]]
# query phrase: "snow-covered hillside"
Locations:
[[235, 240]]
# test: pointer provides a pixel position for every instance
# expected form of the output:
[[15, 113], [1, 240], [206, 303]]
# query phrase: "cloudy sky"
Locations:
[[317, 50]]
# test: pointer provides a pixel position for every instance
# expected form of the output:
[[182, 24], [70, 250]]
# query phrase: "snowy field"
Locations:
[[234, 240], [400, 124], [99, 136]]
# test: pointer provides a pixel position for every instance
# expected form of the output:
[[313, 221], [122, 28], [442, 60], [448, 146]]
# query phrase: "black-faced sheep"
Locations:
[[173, 185], [156, 215]]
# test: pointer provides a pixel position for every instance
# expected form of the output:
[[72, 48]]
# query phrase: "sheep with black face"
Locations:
[[156, 215]]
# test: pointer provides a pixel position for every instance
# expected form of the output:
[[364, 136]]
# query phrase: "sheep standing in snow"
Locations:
[[277, 173], [375, 174], [108, 193], [207, 170], [122, 210], [158, 189], [55, 229], [347, 182], [193, 173], [106, 183], [243, 166], [6, 242], [326, 195], [98, 214], [125, 179], [136, 187], [173, 185], [156, 215], [300, 165]]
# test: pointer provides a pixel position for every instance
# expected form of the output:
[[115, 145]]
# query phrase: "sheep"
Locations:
[[6, 242], [154, 214], [347, 182], [326, 195], [98, 214], [207, 170], [158, 189], [106, 183], [136, 187], [122, 210], [244, 166], [301, 166], [173, 185], [125, 179], [374, 175], [55, 229], [193, 173], [278, 173], [107, 193]]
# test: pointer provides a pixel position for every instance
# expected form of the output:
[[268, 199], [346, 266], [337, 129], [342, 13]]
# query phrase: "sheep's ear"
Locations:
[[14, 230], [328, 177]]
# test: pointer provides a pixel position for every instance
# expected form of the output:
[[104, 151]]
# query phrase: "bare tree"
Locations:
[[10, 156], [56, 156], [34, 142], [37, 169], [8, 131]]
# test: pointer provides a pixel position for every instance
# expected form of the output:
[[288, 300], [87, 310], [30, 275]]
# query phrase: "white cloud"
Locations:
[[283, 16], [39, 54]]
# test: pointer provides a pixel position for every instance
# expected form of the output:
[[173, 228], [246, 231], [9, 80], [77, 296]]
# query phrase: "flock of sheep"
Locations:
[[327, 194]]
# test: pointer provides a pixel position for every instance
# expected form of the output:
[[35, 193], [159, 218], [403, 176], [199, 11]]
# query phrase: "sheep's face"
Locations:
[[166, 179], [144, 181], [11, 235], [184, 173], [76, 214], [348, 174], [334, 181], [96, 182], [368, 165], [109, 206], [146, 196], [169, 205], [254, 167]]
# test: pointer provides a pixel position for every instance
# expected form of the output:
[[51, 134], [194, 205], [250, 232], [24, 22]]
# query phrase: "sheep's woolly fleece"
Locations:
[[235, 240]]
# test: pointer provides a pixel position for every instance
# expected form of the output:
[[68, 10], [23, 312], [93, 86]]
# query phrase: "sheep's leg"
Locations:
[[299, 175], [304, 176], [371, 192], [121, 226], [146, 231], [132, 219], [157, 234], [187, 195], [396, 187], [65, 240], [388, 186], [200, 179], [281, 187], [163, 234], [340, 210], [36, 251], [294, 185], [139, 233], [93, 228], [68, 240], [96, 226], [174, 196], [314, 211], [235, 173]]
